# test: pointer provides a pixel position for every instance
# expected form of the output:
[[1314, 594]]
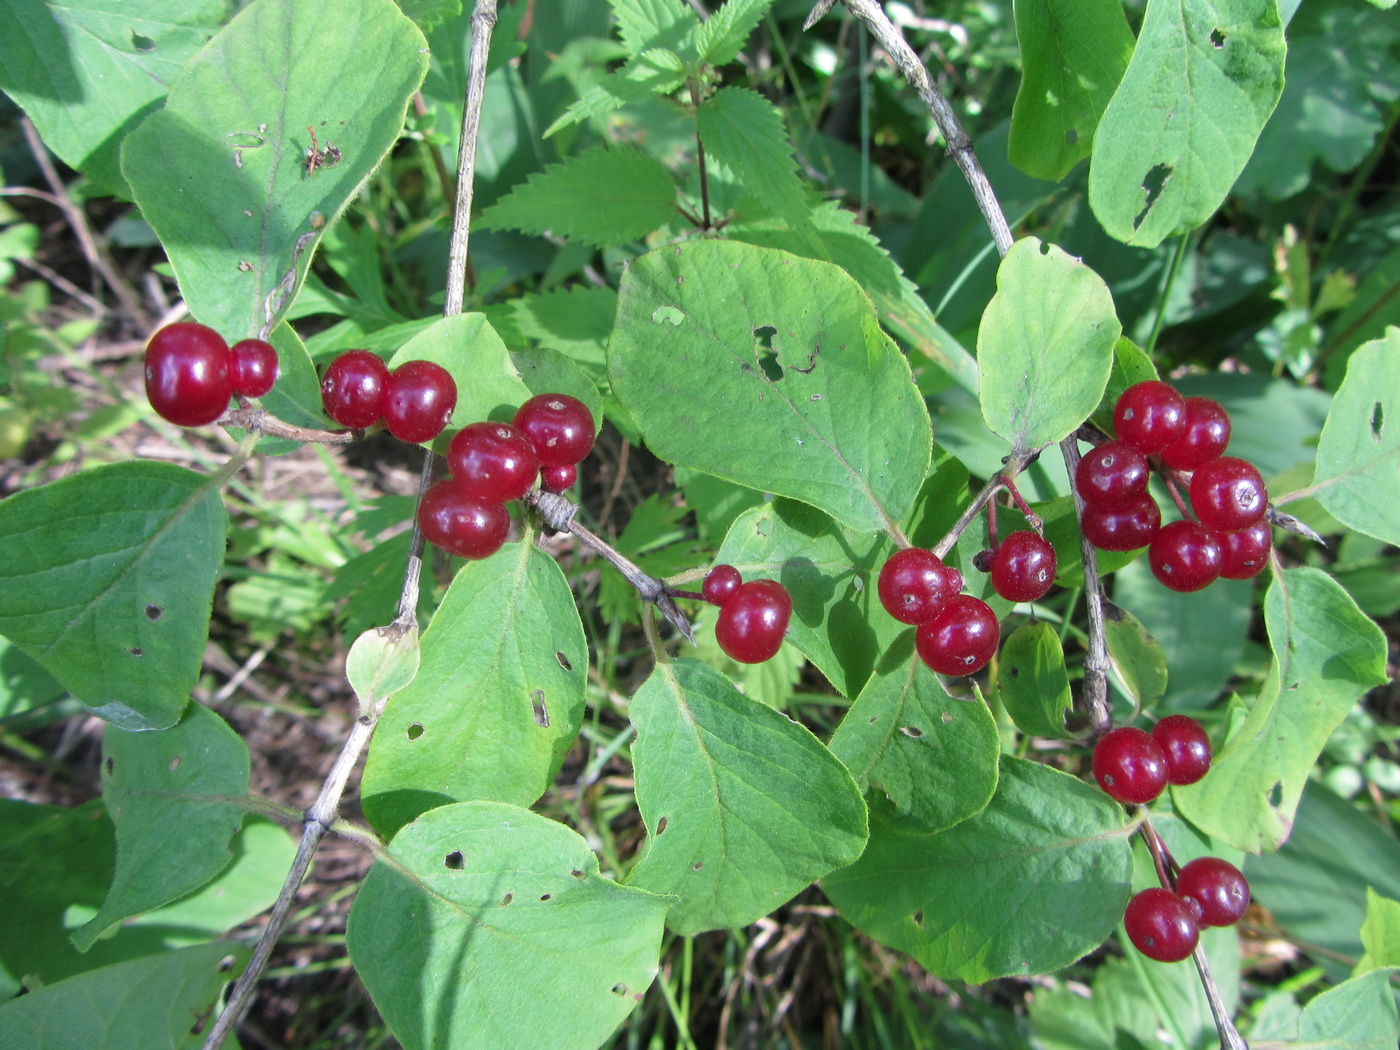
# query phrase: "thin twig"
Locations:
[[259, 420], [1096, 663], [483, 21]]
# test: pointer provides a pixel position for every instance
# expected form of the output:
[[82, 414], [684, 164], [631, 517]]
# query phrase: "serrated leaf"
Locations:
[[720, 36], [174, 798], [839, 425], [106, 578], [127, 1006], [647, 24], [1031, 883], [1045, 345], [1137, 660], [469, 348], [241, 244], [743, 806], [655, 72], [603, 197], [491, 926], [378, 666], [1358, 456], [1032, 680], [1380, 934], [1326, 654], [501, 682], [1203, 79], [1073, 54], [933, 756]]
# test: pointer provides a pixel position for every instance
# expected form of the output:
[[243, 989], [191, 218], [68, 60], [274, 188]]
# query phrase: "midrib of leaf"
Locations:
[[710, 765]]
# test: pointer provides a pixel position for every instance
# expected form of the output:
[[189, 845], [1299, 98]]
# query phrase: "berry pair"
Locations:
[[957, 633], [415, 400], [191, 372], [1166, 925], [753, 616], [1134, 767], [494, 463]]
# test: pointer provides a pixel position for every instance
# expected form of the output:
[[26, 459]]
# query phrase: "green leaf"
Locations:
[[576, 321], [378, 666], [743, 806], [647, 24], [490, 926], [220, 172], [138, 1004], [106, 578], [176, 800], [1326, 654], [545, 371], [1130, 365], [1136, 658], [932, 755], [720, 36], [88, 74], [498, 698], [1073, 53], [658, 71], [1045, 345], [1062, 530], [603, 197], [1380, 933], [488, 386], [828, 414], [1203, 79], [1356, 1015], [1358, 455], [1032, 681], [1030, 884]]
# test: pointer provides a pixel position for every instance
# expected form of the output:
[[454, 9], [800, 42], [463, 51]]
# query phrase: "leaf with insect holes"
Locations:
[[1031, 883], [242, 243], [1202, 82], [490, 926], [501, 681], [743, 806], [107, 578]]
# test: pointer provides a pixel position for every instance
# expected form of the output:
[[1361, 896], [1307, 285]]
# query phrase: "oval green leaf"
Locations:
[[379, 665], [488, 386], [1135, 657], [1032, 680]]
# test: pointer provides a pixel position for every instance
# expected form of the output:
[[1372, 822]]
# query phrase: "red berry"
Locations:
[[1150, 416], [1112, 475], [189, 374], [1244, 554], [1186, 746], [961, 638], [255, 367], [1216, 889], [459, 523], [418, 401], [753, 620], [1130, 766], [914, 583], [1185, 556], [1205, 435], [1124, 528], [492, 461], [721, 583], [1023, 568], [353, 389], [559, 426], [558, 479], [1228, 494], [1161, 925]]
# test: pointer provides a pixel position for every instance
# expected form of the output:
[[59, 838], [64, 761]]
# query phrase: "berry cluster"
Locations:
[[957, 633], [494, 463], [1158, 428], [1134, 767], [191, 372], [753, 616], [415, 400]]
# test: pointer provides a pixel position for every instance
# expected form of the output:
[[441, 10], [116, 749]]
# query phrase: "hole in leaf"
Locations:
[[415, 731], [1014, 672], [135, 650], [142, 43], [454, 860], [1276, 794], [1377, 421], [175, 763], [563, 661], [540, 711], [1044, 247], [619, 989], [578, 874], [507, 899], [911, 731], [767, 356], [1153, 182], [545, 896], [697, 865], [1217, 37], [1071, 137], [661, 825], [919, 918], [110, 765], [873, 720], [154, 612]]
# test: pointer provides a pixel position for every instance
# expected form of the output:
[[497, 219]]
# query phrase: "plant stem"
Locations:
[[700, 157], [257, 420], [1167, 281], [483, 21], [1096, 663]]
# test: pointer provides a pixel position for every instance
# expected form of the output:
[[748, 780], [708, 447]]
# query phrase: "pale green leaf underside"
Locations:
[[1380, 933]]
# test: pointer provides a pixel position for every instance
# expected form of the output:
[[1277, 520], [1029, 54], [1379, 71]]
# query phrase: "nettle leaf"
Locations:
[[1380, 933], [602, 197], [743, 806], [932, 755], [489, 925], [1045, 345], [1327, 652], [88, 74], [658, 71], [647, 24], [488, 386], [1358, 456], [158, 996], [176, 799], [1203, 79], [1032, 680], [720, 36], [1138, 661], [107, 577], [771, 371], [1073, 54], [498, 698], [221, 171], [1030, 884]]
